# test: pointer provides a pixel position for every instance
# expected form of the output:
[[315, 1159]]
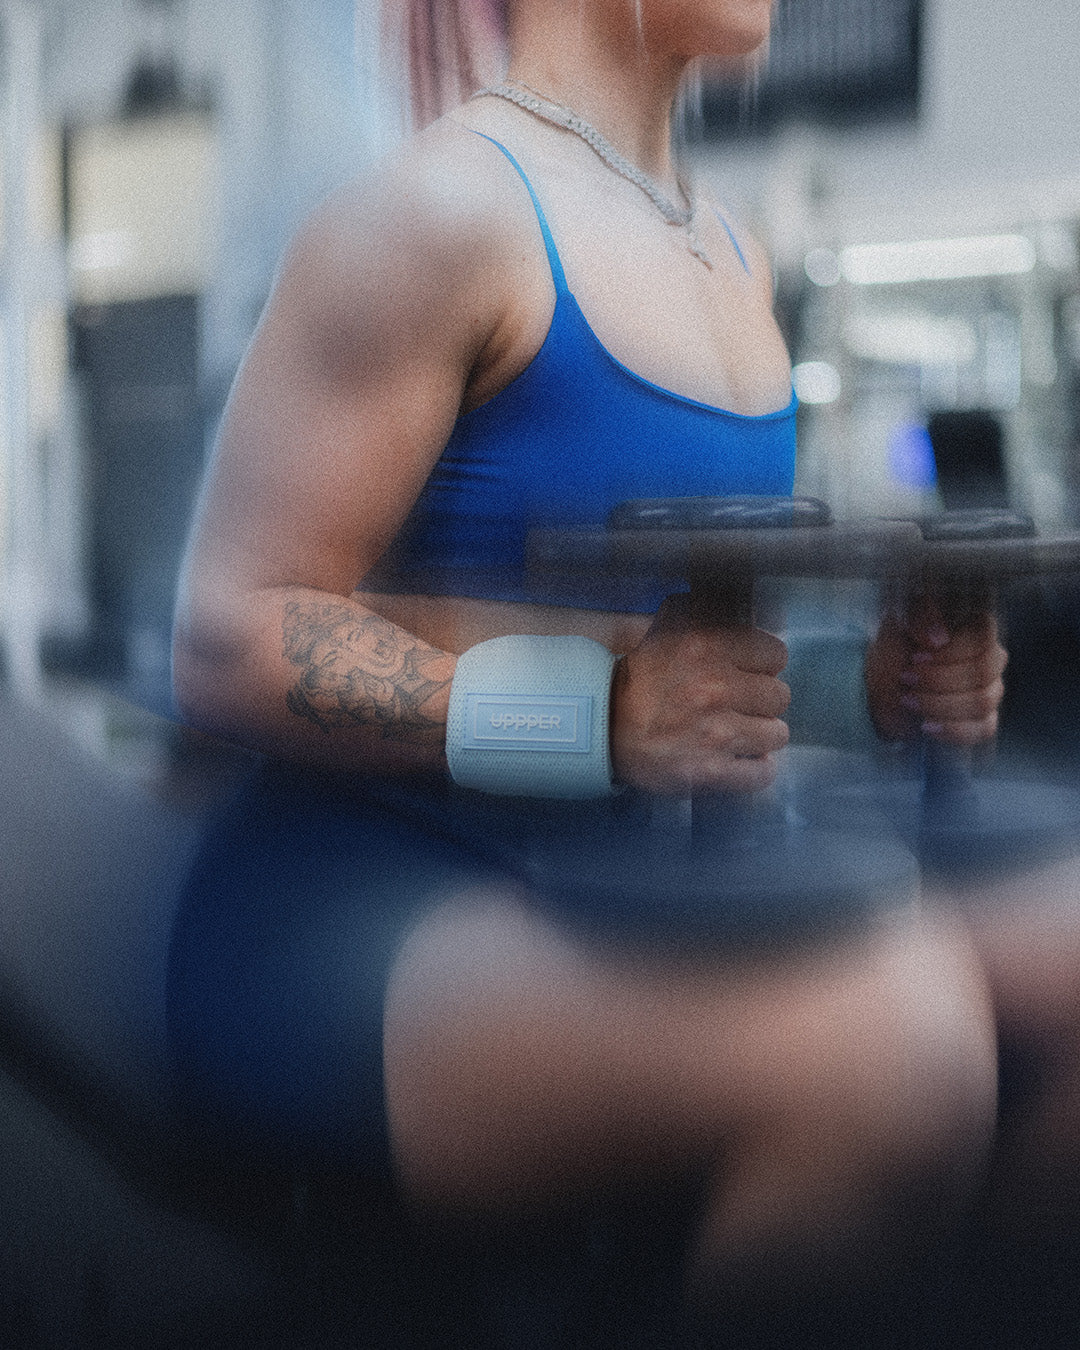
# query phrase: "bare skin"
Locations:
[[418, 293], [735, 1032], [1027, 939], [923, 679]]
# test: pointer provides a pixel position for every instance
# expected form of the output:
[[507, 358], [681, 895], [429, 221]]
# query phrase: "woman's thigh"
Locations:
[[523, 1060], [324, 937], [1026, 928]]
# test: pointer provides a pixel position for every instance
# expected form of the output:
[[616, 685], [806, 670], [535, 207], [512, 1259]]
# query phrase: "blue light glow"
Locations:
[[911, 456]]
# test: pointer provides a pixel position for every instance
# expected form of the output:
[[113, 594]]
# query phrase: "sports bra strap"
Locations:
[[734, 242], [555, 263]]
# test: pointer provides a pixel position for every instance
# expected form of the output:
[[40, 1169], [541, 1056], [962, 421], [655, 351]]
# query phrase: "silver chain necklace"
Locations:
[[547, 110]]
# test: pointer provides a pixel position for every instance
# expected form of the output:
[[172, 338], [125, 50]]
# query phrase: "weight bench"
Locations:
[[120, 1227]]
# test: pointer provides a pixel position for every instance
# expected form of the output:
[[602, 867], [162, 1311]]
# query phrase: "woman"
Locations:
[[527, 288]]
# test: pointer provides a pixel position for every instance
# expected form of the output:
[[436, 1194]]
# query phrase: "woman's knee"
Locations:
[[872, 1105], [936, 1079]]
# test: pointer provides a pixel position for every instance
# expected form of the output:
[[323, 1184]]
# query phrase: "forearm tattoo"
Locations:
[[358, 670]]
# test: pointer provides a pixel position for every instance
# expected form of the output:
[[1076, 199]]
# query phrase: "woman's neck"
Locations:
[[611, 79]]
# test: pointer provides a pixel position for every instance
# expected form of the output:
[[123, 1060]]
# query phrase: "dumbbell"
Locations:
[[959, 822], [721, 864]]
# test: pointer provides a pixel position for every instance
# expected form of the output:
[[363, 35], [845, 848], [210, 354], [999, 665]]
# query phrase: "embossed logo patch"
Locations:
[[506, 722]]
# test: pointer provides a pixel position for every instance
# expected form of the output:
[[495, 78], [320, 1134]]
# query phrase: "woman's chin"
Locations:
[[741, 31]]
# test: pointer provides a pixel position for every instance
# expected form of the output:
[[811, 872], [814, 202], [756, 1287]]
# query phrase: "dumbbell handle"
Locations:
[[948, 769], [712, 602], [961, 562], [945, 769], [675, 540], [722, 596], [719, 545]]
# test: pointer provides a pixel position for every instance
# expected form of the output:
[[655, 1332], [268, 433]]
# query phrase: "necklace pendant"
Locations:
[[547, 110]]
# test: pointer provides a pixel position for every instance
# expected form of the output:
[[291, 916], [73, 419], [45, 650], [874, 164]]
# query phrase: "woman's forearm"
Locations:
[[315, 677], [353, 668]]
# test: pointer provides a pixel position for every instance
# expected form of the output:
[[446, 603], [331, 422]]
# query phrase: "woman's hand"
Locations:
[[922, 678], [698, 707]]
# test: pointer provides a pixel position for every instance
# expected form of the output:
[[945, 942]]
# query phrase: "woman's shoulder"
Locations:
[[431, 209], [416, 254]]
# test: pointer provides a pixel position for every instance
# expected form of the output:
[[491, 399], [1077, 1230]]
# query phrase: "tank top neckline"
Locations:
[[564, 297]]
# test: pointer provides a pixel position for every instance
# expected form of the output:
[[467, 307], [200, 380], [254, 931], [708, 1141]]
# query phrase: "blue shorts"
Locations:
[[307, 886], [303, 892]]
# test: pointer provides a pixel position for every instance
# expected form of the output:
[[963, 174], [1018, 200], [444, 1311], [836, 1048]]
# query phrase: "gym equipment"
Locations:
[[956, 823], [959, 823], [736, 866]]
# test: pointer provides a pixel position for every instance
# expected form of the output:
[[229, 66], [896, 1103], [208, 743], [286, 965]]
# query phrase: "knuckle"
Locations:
[[697, 697], [974, 732], [699, 647], [987, 700], [763, 773], [774, 651], [714, 732], [988, 669], [719, 697]]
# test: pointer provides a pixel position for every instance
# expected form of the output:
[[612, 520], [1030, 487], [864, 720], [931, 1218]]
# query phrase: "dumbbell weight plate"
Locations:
[[780, 876], [960, 823], [752, 869]]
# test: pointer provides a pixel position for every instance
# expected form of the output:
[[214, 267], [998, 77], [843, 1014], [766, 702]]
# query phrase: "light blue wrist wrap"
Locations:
[[529, 717]]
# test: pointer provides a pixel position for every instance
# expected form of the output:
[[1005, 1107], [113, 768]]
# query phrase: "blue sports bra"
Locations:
[[574, 434]]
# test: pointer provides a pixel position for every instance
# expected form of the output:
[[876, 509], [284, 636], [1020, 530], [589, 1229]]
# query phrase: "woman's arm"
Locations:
[[396, 305], [386, 304]]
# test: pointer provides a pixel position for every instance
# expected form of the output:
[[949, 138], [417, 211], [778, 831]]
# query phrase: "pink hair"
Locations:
[[447, 48]]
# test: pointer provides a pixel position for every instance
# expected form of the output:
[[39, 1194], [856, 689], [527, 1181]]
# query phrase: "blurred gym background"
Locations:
[[913, 166]]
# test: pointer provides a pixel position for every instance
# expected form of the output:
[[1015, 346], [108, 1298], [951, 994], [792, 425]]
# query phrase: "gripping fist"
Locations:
[[922, 677], [698, 707]]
